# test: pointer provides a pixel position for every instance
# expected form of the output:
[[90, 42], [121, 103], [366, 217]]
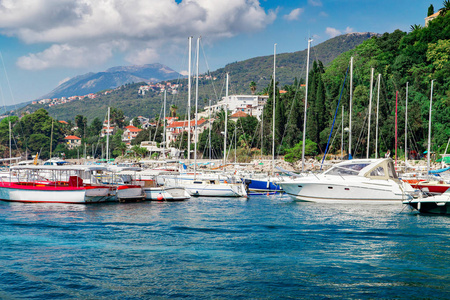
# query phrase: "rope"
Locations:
[[334, 120]]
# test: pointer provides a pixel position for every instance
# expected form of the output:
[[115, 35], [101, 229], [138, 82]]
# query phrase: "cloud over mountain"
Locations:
[[82, 32]]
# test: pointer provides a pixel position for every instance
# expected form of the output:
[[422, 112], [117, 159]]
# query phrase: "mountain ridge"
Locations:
[[114, 77]]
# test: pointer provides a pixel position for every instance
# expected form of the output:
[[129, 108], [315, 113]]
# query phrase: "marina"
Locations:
[[161, 150]]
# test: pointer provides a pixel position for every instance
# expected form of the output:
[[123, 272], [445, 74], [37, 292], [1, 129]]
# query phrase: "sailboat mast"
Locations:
[[273, 108], [196, 111], [370, 112], [226, 124], [429, 128], [306, 106], [10, 152], [342, 134], [350, 110], [209, 123], [107, 135], [378, 107], [189, 101], [406, 127], [164, 130], [396, 127]]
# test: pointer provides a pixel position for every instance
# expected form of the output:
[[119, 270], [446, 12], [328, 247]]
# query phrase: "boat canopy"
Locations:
[[370, 168]]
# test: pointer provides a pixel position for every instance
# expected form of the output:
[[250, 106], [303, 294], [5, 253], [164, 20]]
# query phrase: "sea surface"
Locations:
[[265, 247]]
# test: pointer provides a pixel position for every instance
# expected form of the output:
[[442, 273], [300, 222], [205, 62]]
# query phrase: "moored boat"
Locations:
[[61, 184], [439, 204], [354, 180]]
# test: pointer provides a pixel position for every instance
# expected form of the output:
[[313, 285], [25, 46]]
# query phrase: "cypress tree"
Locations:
[[430, 10]]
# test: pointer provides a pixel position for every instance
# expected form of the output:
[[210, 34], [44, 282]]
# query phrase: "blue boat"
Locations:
[[261, 186]]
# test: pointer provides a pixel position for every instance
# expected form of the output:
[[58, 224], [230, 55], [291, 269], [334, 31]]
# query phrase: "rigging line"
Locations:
[[363, 130], [183, 62], [208, 69], [335, 114], [336, 133], [157, 123], [12, 97], [297, 88]]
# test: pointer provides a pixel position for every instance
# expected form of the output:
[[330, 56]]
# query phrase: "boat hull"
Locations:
[[430, 206], [216, 190], [40, 194], [130, 193], [342, 192], [261, 186]]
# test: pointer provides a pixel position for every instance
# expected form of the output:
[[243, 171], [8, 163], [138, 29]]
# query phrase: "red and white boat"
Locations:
[[53, 184]]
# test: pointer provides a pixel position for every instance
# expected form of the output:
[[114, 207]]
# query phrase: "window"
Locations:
[[378, 172]]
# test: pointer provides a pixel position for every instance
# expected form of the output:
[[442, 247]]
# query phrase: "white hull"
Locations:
[[332, 192], [48, 196], [356, 180], [134, 193], [166, 193], [207, 188], [216, 190]]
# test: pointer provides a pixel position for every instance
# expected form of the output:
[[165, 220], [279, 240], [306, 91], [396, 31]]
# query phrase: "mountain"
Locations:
[[258, 69], [112, 78], [289, 65]]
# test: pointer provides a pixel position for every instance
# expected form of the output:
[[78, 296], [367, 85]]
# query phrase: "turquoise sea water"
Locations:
[[260, 248]]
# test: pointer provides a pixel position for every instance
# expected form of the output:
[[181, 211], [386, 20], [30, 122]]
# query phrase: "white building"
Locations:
[[252, 105]]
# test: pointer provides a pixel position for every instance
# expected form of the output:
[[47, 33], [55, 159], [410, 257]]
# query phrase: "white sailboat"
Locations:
[[206, 186]]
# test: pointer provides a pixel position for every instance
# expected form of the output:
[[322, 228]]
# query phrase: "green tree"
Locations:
[[430, 10], [252, 87], [295, 154], [173, 110], [117, 117], [96, 127]]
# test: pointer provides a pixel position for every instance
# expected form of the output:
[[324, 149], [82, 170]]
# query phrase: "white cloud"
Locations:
[[294, 14], [323, 14], [79, 26], [65, 55], [141, 57], [332, 32], [349, 30], [315, 2], [64, 80], [184, 72]]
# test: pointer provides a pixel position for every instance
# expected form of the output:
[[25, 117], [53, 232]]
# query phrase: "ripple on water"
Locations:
[[263, 247]]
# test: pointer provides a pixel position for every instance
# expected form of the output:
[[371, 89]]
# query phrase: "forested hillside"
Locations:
[[259, 70], [416, 58]]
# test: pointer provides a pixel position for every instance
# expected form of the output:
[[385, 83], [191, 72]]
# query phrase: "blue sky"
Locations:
[[44, 42]]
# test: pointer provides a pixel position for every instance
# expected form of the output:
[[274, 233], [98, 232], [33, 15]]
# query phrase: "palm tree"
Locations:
[[415, 27], [252, 87], [446, 7], [173, 110]]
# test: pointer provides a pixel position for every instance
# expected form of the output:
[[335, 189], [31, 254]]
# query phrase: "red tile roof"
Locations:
[[72, 137], [185, 123], [239, 114], [131, 127]]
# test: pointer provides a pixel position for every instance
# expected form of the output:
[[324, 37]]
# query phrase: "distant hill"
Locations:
[[289, 65], [112, 78], [258, 69]]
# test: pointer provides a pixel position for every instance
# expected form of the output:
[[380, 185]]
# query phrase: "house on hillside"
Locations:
[[431, 17], [72, 141], [250, 104], [239, 114], [107, 130], [130, 133], [176, 128]]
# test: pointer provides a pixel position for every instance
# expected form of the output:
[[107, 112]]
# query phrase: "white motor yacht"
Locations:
[[353, 180]]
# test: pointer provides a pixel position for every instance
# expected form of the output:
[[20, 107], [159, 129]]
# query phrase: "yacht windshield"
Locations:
[[347, 170]]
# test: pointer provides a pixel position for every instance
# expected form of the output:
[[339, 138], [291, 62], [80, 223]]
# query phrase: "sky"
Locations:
[[45, 42]]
